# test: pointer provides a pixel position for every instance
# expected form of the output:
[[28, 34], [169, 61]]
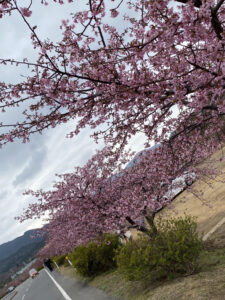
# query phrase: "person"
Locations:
[[48, 264]]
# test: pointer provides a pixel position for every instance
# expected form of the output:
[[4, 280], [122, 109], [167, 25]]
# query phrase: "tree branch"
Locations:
[[197, 3], [140, 228], [216, 24]]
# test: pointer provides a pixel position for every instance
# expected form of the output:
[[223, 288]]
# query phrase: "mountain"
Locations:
[[13, 246], [14, 255], [137, 158]]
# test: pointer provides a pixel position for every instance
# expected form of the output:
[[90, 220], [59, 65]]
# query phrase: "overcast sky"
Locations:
[[34, 165]]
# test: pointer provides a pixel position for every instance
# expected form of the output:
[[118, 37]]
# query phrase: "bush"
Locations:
[[95, 257], [60, 260], [39, 268], [174, 250]]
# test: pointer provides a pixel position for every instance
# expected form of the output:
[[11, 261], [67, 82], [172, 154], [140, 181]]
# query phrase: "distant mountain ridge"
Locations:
[[11, 247]]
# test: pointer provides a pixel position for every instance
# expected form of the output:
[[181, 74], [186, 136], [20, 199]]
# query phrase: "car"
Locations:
[[179, 184], [10, 289], [33, 273]]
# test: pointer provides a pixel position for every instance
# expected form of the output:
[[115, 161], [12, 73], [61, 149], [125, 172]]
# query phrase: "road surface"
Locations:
[[54, 286]]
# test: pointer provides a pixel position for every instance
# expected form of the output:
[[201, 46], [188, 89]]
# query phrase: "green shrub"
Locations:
[[174, 250], [39, 268], [131, 260], [60, 260], [95, 257]]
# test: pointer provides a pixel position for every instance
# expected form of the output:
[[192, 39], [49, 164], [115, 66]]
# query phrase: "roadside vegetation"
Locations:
[[172, 252], [174, 264], [96, 257], [206, 283]]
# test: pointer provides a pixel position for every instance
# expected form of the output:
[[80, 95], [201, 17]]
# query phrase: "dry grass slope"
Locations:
[[209, 209]]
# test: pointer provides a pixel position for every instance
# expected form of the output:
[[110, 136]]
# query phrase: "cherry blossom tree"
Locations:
[[165, 57], [105, 196], [82, 205], [150, 67]]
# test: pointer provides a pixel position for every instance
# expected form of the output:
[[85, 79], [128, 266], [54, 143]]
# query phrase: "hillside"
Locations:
[[209, 208], [17, 253], [13, 246]]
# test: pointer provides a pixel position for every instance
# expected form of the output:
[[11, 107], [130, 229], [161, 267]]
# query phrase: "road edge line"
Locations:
[[220, 223], [62, 291]]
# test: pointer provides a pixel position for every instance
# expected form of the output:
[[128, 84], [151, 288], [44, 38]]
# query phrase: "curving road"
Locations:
[[54, 286]]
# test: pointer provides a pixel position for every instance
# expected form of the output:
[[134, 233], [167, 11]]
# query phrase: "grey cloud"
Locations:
[[3, 195], [12, 205], [15, 155], [34, 166]]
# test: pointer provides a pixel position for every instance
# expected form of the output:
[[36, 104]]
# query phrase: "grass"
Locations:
[[209, 208], [206, 284]]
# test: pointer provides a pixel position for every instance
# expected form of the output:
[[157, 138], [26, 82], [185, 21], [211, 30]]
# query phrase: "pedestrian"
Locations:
[[48, 264]]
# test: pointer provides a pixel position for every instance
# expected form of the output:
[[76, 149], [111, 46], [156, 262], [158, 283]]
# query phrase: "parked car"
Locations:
[[179, 184], [33, 272], [10, 289]]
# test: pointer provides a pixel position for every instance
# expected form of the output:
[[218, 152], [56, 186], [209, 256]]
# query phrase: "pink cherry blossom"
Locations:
[[26, 12], [114, 13]]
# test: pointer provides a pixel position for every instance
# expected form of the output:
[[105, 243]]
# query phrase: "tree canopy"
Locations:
[[151, 67]]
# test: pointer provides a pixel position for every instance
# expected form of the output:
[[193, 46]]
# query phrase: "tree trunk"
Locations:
[[153, 230]]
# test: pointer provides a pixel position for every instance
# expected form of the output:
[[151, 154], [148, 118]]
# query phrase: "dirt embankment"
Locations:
[[209, 208]]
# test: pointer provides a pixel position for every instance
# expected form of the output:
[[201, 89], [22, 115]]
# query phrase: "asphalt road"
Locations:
[[54, 286]]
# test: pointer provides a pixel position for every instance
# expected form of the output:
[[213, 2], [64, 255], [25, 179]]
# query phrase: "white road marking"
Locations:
[[56, 265], [206, 236], [65, 295], [23, 297]]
